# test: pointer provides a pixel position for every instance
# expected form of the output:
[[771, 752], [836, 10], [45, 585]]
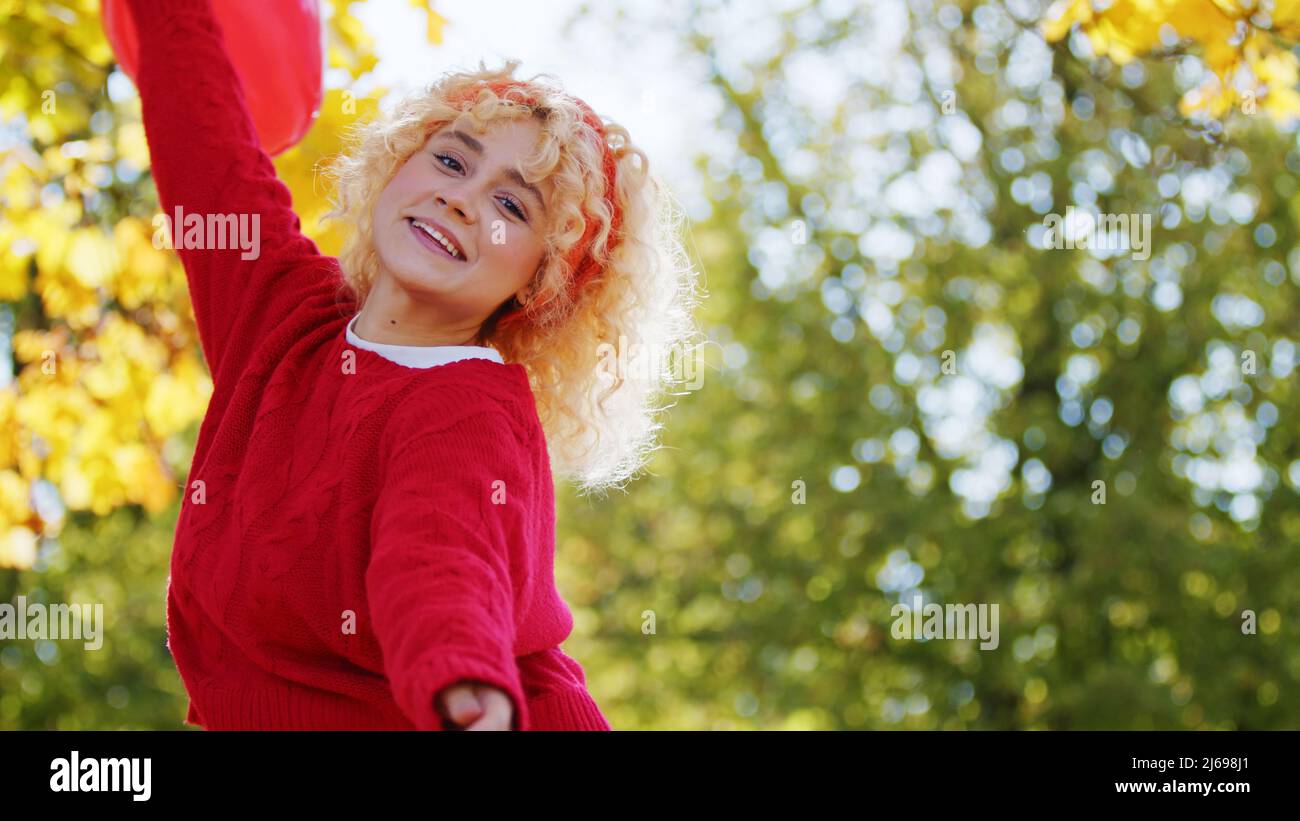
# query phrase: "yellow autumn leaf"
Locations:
[[75, 488], [15, 261], [105, 380], [1285, 19], [142, 277], [63, 295], [50, 233], [1127, 29], [9, 435], [91, 257], [19, 187], [132, 145], [17, 548], [30, 345], [435, 21], [15, 493], [143, 479], [177, 398]]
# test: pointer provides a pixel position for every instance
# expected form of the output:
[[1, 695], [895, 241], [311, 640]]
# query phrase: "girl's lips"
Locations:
[[429, 242]]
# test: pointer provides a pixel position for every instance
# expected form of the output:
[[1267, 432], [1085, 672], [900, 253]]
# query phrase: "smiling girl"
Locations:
[[368, 535]]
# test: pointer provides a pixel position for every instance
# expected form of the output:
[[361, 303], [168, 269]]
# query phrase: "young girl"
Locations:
[[368, 534]]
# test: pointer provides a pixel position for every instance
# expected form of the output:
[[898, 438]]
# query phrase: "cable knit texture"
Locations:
[[356, 535]]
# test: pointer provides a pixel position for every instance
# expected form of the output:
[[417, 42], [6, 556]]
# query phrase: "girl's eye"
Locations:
[[442, 157], [511, 204]]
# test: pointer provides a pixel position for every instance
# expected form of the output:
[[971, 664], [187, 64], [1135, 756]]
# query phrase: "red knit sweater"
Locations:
[[356, 535]]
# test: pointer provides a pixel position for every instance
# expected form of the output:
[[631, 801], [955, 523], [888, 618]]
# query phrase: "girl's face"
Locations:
[[467, 188]]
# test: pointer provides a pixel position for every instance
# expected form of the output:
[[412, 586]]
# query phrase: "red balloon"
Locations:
[[276, 51]]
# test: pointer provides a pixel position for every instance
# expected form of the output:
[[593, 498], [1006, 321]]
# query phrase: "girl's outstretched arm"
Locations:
[[254, 264], [450, 556]]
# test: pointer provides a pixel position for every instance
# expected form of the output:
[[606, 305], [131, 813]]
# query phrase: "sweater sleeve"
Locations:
[[449, 558], [556, 688], [208, 162]]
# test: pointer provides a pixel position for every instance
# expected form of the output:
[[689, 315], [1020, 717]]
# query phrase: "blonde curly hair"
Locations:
[[600, 426]]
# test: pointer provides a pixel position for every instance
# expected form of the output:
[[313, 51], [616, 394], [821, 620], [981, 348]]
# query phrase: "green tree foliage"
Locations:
[[919, 148]]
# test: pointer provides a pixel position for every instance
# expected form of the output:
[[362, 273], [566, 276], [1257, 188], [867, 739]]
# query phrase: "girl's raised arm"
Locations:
[[252, 264]]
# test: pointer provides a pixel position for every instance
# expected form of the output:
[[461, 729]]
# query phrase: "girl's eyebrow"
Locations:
[[513, 173]]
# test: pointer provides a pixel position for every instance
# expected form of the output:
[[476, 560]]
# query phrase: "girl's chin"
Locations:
[[424, 269], [415, 281]]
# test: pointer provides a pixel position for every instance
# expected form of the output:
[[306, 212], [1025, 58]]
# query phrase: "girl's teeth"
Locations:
[[435, 237]]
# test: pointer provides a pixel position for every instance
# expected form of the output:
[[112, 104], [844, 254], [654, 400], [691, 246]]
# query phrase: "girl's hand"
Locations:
[[469, 705]]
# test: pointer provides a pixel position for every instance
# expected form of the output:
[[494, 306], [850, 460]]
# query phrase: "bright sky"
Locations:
[[652, 91]]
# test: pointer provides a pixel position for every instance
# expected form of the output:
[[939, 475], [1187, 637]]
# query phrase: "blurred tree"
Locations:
[[1073, 435]]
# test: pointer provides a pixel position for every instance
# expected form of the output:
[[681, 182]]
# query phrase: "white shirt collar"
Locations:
[[422, 356]]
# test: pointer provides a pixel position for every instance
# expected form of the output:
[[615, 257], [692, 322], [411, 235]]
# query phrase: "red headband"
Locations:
[[579, 257]]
